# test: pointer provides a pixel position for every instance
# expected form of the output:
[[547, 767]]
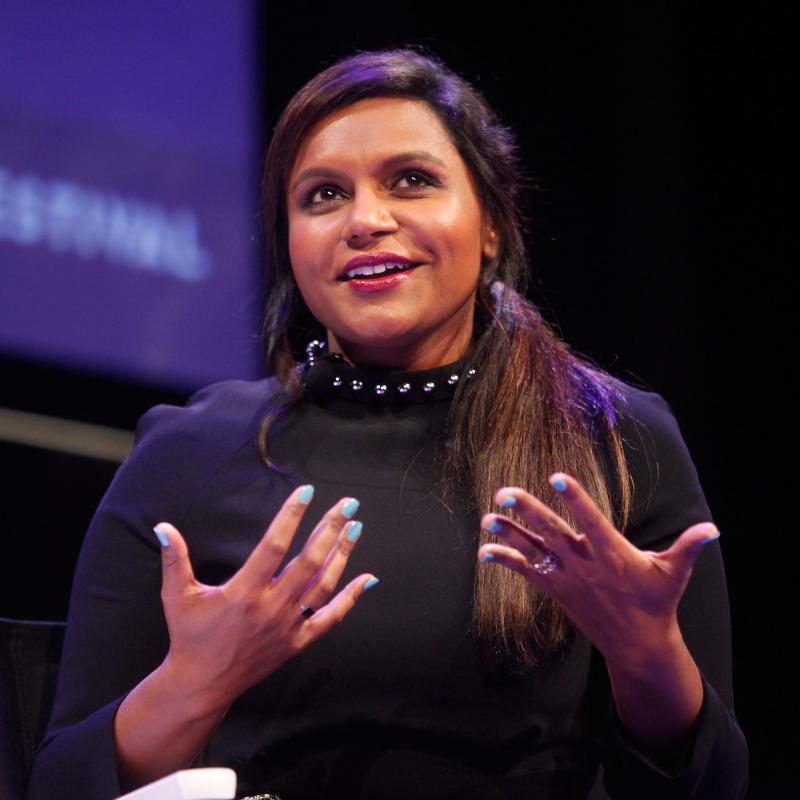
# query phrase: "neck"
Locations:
[[442, 345], [420, 356]]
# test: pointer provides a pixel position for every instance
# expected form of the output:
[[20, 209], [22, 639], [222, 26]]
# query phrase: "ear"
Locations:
[[490, 241]]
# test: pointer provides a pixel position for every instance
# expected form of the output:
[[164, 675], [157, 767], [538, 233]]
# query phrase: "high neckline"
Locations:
[[329, 375]]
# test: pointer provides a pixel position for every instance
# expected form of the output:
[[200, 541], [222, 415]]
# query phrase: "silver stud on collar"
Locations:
[[315, 350]]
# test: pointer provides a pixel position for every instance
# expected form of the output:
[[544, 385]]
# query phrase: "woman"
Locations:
[[434, 390]]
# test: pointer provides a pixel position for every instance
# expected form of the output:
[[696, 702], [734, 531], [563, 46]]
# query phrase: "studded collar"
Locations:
[[329, 375]]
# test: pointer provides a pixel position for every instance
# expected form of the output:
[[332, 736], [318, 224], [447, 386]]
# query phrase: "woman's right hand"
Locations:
[[224, 639]]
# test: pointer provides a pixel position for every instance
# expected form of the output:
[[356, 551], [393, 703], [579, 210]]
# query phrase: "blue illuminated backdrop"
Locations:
[[128, 158]]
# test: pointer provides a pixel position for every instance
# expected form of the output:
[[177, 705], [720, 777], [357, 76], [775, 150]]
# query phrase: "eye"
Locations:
[[417, 179], [325, 193]]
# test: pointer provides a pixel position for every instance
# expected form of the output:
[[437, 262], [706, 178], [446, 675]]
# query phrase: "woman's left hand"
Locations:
[[624, 600]]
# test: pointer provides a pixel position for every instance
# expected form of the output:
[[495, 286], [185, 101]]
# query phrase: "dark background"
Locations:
[[657, 141]]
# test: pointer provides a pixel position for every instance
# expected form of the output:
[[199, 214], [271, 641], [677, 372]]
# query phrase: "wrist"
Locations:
[[199, 697], [658, 694], [162, 724], [647, 660]]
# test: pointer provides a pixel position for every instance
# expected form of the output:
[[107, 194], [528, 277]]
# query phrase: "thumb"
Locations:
[[176, 570], [688, 546]]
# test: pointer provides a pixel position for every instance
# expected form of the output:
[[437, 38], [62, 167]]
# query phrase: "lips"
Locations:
[[368, 272], [376, 264]]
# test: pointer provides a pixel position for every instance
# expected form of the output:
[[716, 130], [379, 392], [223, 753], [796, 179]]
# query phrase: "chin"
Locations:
[[382, 332], [384, 338]]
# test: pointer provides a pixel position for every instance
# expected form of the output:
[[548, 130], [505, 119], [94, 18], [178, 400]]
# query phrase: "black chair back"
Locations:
[[30, 653]]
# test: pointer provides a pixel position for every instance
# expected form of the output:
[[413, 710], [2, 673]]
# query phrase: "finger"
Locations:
[[589, 519], [530, 544], [514, 560], [265, 559], [330, 573], [337, 609], [540, 517], [177, 575], [680, 557], [295, 577]]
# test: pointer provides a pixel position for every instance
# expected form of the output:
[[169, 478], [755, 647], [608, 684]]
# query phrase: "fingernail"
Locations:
[[370, 583], [354, 531], [712, 537], [487, 557], [306, 493], [508, 501], [163, 539], [350, 508], [495, 527], [559, 484]]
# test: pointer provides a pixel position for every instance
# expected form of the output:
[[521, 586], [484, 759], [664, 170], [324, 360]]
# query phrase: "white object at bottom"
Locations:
[[216, 783]]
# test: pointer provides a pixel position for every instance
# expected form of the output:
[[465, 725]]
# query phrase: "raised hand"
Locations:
[[224, 639], [624, 600]]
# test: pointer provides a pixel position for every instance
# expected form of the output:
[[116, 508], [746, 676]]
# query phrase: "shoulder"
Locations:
[[665, 480], [219, 414], [645, 419], [179, 448]]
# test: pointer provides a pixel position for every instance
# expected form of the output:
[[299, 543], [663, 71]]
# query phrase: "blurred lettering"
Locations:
[[71, 219]]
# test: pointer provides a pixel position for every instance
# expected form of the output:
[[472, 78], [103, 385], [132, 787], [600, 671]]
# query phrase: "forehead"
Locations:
[[374, 128]]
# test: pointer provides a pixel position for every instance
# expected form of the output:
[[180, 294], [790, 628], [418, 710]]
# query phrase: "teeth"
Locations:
[[375, 269]]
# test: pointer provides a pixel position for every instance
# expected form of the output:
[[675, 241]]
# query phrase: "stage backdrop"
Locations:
[[128, 160]]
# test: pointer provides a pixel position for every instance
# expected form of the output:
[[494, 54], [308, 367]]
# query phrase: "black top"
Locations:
[[395, 701]]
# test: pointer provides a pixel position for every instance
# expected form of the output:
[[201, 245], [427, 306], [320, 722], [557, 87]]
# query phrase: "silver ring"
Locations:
[[305, 611], [261, 797], [548, 564]]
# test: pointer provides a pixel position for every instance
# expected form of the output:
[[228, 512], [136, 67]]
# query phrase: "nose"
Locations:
[[369, 215]]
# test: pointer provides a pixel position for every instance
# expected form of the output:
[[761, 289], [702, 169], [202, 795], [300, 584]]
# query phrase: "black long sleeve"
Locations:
[[668, 500], [395, 701]]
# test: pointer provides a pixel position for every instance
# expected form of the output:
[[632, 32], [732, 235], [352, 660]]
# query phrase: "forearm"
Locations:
[[161, 726], [658, 697]]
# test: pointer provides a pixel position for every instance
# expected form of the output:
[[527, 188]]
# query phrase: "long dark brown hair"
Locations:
[[536, 409]]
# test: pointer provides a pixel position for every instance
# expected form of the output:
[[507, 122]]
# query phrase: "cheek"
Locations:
[[302, 259], [311, 243], [458, 227], [460, 245], [296, 240]]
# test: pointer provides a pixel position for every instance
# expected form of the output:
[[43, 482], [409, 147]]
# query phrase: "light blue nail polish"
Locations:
[[712, 537], [487, 557], [495, 527], [559, 484], [354, 531], [370, 583], [350, 508], [163, 540], [508, 501], [306, 493]]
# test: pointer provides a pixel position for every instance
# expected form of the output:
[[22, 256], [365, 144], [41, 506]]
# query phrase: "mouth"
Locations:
[[375, 271]]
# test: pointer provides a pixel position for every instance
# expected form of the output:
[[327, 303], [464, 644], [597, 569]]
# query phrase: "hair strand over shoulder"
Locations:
[[536, 408]]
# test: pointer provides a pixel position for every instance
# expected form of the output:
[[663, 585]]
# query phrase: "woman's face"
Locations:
[[380, 183]]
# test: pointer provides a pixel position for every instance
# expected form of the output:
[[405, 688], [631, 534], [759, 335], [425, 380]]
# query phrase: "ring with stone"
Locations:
[[547, 564]]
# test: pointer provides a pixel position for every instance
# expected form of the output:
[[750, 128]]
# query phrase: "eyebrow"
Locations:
[[388, 163]]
